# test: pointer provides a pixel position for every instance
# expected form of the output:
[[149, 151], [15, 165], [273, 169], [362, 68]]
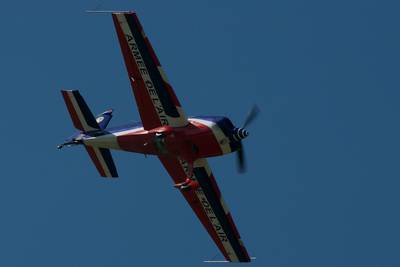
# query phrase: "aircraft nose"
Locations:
[[240, 133]]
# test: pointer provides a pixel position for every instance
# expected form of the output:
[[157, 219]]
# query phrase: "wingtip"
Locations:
[[110, 11], [225, 261], [68, 90]]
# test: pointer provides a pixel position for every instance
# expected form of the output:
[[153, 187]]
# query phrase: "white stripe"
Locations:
[[203, 164], [109, 140], [163, 75], [222, 139], [128, 131], [179, 121], [224, 206], [102, 162], [79, 113]]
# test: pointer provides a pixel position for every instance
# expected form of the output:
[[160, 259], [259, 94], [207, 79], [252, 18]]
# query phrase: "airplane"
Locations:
[[181, 143]]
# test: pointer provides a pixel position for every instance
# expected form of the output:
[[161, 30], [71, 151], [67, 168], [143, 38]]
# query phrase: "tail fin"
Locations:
[[104, 118], [79, 111], [84, 120]]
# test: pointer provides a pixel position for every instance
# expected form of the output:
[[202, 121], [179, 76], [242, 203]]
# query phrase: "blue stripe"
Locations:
[[106, 154]]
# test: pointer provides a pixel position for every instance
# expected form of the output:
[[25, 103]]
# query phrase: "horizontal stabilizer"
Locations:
[[79, 111], [103, 161]]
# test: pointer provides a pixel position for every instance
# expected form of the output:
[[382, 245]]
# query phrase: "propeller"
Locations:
[[240, 159], [253, 113], [240, 156]]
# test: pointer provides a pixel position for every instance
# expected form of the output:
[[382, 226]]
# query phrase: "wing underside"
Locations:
[[155, 98], [209, 206]]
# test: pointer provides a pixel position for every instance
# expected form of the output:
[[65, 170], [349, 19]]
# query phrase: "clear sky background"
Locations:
[[323, 179]]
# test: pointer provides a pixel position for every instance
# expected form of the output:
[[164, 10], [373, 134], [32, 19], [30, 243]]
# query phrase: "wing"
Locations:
[[209, 206], [155, 97]]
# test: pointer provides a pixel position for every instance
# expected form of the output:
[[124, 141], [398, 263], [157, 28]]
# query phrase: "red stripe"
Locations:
[[72, 112], [95, 160], [146, 109]]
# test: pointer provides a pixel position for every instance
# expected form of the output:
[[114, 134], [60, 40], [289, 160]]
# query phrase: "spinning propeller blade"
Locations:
[[241, 163], [251, 116]]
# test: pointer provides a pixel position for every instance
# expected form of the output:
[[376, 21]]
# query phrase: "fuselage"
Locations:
[[204, 136]]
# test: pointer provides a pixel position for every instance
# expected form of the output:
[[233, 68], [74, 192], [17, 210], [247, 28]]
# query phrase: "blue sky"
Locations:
[[322, 185]]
